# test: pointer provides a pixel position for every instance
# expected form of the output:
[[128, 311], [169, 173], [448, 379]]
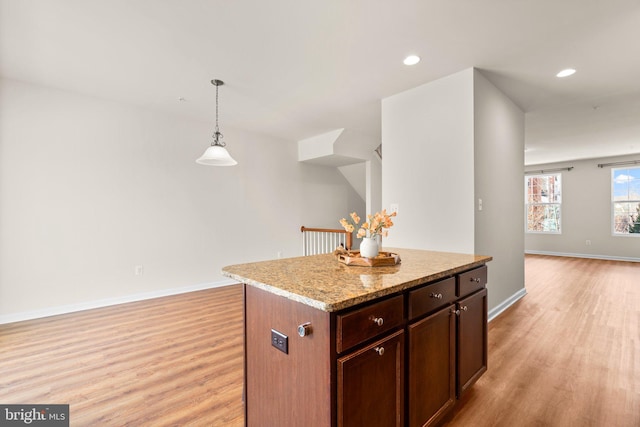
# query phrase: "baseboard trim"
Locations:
[[590, 256], [71, 308], [496, 311]]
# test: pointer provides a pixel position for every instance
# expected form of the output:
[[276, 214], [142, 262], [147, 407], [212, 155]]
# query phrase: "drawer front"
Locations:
[[367, 322], [471, 281], [431, 297]]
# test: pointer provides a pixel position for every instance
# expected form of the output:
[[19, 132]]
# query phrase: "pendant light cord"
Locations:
[[217, 130], [217, 136]]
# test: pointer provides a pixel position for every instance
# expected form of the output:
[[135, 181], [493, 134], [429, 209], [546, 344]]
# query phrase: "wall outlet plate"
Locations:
[[280, 341]]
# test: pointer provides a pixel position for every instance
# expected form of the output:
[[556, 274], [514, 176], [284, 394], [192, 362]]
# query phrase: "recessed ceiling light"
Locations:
[[566, 73], [411, 60]]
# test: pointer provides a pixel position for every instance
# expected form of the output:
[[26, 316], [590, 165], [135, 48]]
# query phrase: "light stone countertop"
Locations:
[[321, 281]]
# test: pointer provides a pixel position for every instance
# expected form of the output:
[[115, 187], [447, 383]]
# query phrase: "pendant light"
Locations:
[[217, 155]]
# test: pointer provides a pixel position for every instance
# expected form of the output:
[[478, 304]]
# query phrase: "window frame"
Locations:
[[527, 177], [613, 202]]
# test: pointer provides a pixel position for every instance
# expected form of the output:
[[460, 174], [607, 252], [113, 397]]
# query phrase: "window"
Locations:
[[625, 201], [543, 198]]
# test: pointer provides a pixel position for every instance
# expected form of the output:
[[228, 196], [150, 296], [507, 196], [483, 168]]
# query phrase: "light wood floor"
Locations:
[[567, 354], [169, 361]]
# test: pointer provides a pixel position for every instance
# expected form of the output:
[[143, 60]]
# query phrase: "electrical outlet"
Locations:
[[280, 341], [588, 242], [139, 270]]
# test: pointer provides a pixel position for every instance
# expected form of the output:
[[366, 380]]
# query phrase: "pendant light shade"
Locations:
[[217, 155]]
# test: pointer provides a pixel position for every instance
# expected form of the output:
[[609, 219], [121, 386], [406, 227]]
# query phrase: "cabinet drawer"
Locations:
[[471, 281], [367, 322], [431, 297]]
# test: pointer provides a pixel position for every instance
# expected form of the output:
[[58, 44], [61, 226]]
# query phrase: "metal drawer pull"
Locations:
[[477, 280], [434, 295], [378, 321], [379, 350], [463, 308]]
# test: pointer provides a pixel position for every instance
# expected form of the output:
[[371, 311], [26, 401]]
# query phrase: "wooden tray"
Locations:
[[383, 259]]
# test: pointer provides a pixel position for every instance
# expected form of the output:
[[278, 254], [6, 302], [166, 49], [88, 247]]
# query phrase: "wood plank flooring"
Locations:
[[567, 354], [169, 361]]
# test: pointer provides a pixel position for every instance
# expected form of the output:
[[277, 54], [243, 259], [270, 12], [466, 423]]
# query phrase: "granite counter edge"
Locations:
[[350, 302]]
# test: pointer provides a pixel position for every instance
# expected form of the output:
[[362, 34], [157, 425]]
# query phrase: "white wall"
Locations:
[[499, 167], [90, 188], [374, 185], [428, 165], [447, 144], [586, 214]]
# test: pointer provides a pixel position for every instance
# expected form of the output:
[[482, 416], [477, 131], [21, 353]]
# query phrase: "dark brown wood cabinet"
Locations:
[[286, 389], [371, 384], [399, 360], [447, 349], [471, 340], [431, 391]]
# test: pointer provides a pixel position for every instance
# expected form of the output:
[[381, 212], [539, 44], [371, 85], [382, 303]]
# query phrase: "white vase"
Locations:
[[369, 247]]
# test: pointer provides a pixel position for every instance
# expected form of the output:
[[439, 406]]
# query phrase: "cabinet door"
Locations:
[[471, 340], [371, 384], [431, 367]]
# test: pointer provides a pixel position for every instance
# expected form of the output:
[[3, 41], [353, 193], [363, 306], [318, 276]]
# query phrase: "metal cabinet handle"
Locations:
[[305, 329], [378, 321], [464, 308], [434, 295], [379, 350], [476, 279]]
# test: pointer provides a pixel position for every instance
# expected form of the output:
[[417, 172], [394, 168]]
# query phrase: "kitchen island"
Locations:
[[328, 344]]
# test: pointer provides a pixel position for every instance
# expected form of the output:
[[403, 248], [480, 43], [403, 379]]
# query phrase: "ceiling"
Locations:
[[294, 69]]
